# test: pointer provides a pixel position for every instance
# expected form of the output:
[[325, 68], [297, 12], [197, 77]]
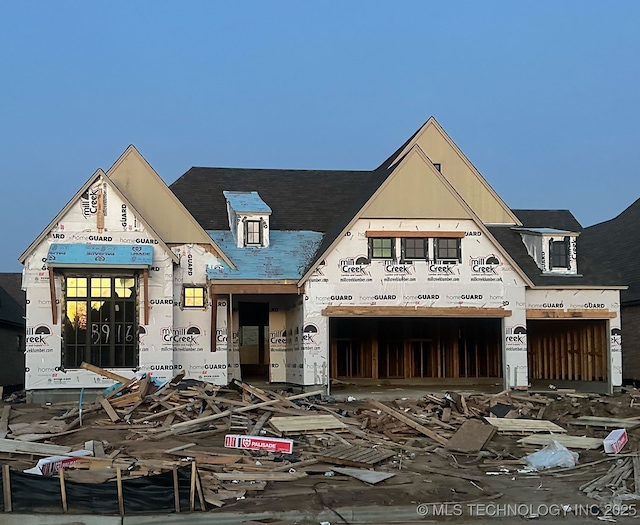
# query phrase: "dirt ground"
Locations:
[[441, 485]]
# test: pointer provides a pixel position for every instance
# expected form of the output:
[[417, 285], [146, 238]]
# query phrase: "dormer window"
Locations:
[[253, 233], [559, 253]]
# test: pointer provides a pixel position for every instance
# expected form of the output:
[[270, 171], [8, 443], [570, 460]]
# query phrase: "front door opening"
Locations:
[[254, 340]]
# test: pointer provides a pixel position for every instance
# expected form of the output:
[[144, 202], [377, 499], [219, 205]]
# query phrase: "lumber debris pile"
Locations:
[[242, 439]]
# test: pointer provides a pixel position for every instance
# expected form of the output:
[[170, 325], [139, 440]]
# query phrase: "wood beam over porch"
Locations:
[[411, 311], [257, 288]]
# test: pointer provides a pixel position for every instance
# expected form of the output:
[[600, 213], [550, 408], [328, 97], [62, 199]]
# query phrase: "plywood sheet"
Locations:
[[306, 424], [582, 442], [472, 436], [524, 425]]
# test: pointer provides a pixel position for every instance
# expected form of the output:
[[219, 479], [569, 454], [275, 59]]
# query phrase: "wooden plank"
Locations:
[[4, 421], [305, 424], [198, 421], [410, 422], [52, 295], [354, 456], [120, 494], [524, 425], [472, 436], [414, 233], [260, 476], [37, 449], [63, 491], [606, 422], [582, 442], [104, 373], [411, 311], [176, 489], [113, 415]]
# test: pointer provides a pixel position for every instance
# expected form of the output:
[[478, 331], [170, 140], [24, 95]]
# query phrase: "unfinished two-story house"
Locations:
[[415, 271]]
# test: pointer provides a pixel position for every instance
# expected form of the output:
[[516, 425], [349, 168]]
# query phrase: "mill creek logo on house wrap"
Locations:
[[37, 339], [182, 338], [354, 269], [89, 201], [616, 339], [485, 268], [309, 334], [516, 336]]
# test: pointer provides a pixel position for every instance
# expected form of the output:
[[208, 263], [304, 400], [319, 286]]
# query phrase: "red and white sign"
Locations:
[[259, 443]]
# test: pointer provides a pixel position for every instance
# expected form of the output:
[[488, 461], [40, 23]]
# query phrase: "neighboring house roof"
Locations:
[[590, 273], [12, 284], [12, 299], [614, 247], [286, 257]]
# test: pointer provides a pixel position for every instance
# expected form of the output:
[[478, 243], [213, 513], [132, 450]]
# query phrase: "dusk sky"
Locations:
[[543, 97]]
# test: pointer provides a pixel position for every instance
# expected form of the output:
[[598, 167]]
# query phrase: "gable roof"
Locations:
[[153, 199], [614, 246], [98, 174], [459, 172], [590, 273]]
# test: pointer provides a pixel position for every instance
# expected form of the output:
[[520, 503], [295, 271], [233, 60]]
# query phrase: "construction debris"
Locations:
[[244, 442]]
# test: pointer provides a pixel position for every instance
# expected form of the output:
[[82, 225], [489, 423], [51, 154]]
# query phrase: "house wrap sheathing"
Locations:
[[414, 271]]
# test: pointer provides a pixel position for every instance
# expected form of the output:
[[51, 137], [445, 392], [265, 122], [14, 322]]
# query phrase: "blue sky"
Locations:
[[543, 97]]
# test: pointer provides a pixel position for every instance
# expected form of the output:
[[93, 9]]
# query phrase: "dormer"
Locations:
[[248, 218], [554, 251]]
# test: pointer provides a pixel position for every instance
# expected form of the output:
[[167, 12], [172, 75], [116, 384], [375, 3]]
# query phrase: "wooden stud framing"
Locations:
[[176, 488]]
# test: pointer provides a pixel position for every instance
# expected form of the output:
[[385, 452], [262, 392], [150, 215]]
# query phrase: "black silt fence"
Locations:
[[34, 493]]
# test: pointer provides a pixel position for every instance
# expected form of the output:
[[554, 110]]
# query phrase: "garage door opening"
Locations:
[[568, 350], [426, 348]]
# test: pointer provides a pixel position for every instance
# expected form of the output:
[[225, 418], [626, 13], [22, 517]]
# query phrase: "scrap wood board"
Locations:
[[302, 424], [260, 476], [524, 425], [472, 436], [583, 442], [355, 456], [606, 422]]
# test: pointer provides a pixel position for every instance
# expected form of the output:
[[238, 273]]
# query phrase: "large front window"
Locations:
[[100, 325]]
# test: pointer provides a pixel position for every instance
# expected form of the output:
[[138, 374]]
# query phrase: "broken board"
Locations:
[[287, 425], [354, 456], [472, 436], [524, 425]]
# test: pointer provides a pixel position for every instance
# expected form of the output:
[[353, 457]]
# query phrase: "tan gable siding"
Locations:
[[152, 198], [414, 191], [461, 174]]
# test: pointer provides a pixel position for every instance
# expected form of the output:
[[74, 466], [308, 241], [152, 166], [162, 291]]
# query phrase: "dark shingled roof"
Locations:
[[614, 245], [309, 200], [12, 299], [556, 219], [325, 201], [589, 272]]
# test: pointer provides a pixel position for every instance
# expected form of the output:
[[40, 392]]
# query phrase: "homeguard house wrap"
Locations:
[[414, 271]]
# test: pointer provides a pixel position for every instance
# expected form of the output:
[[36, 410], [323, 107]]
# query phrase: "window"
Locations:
[[448, 250], [559, 253], [252, 233], [414, 248], [193, 297], [381, 248], [100, 322]]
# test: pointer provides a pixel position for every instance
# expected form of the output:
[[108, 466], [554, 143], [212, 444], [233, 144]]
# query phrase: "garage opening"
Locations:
[[568, 350], [428, 348]]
